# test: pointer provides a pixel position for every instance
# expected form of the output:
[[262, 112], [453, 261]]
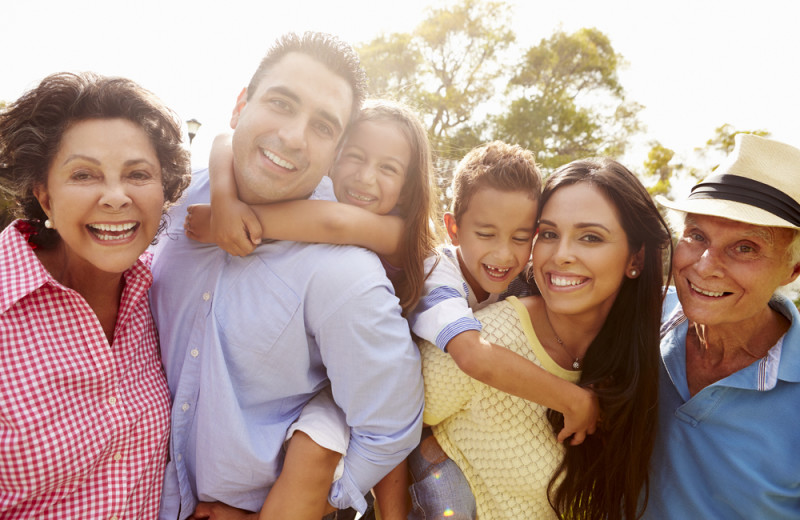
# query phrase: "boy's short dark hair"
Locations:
[[495, 165], [337, 55]]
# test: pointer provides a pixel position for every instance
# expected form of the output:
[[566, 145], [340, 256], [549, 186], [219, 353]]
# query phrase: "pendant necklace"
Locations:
[[576, 365]]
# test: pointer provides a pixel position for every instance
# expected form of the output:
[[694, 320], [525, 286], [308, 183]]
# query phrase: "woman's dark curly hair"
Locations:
[[32, 127]]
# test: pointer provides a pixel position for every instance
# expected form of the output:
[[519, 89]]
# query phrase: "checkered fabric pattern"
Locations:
[[504, 444], [83, 424]]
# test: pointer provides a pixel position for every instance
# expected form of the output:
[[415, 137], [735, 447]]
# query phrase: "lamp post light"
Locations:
[[192, 125]]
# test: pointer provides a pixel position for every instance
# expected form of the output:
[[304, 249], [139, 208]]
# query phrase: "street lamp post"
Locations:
[[192, 125]]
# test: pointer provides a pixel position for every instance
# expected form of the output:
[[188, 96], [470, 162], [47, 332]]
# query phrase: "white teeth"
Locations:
[[121, 231], [496, 271], [357, 196], [115, 237], [704, 292], [113, 227], [560, 281], [277, 160]]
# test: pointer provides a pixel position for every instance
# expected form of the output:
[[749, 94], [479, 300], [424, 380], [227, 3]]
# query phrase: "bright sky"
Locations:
[[694, 64]]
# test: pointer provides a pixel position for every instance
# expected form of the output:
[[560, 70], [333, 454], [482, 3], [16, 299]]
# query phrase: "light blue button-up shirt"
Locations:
[[731, 450], [246, 342]]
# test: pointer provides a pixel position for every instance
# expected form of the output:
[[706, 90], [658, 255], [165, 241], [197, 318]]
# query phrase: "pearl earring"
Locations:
[[634, 273], [48, 224]]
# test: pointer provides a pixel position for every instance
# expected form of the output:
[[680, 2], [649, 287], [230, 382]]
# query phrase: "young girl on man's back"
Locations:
[[382, 176]]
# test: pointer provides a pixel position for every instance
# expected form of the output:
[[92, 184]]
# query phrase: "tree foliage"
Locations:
[[569, 102], [445, 68], [723, 140], [658, 165]]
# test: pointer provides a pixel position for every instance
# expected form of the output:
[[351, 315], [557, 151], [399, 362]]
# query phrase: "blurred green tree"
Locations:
[[446, 69], [569, 102]]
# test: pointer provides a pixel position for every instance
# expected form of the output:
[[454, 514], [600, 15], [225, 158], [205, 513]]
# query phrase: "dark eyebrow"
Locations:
[[324, 114], [579, 225]]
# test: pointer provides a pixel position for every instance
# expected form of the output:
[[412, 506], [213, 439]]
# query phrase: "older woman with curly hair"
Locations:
[[91, 163]]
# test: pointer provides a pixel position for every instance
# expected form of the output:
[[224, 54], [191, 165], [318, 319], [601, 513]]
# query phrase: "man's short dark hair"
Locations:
[[339, 57]]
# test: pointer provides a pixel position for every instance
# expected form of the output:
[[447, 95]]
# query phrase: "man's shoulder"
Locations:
[[334, 261], [343, 258]]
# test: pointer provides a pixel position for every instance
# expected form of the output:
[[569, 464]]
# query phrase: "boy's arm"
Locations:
[[505, 370], [443, 317]]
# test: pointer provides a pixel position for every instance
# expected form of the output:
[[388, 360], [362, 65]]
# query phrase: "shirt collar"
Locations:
[[789, 369], [782, 361], [22, 272], [20, 269]]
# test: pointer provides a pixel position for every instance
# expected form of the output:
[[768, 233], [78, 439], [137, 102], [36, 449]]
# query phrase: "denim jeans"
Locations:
[[439, 488]]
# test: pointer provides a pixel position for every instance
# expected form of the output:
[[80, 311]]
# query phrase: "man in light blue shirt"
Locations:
[[247, 342]]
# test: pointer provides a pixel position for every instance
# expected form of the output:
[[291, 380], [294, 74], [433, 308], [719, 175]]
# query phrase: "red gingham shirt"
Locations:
[[83, 425]]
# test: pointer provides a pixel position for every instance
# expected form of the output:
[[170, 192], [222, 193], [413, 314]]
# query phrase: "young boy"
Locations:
[[491, 225]]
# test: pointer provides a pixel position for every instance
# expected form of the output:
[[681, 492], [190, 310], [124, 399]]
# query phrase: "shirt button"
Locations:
[[118, 457], [195, 352], [185, 406], [112, 400], [179, 457], [206, 296], [114, 518]]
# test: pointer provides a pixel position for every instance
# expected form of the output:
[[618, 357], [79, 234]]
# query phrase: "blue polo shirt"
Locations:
[[733, 449]]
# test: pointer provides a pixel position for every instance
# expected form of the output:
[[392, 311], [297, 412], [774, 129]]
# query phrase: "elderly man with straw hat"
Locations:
[[729, 411]]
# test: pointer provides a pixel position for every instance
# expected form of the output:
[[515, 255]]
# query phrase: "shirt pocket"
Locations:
[[257, 313]]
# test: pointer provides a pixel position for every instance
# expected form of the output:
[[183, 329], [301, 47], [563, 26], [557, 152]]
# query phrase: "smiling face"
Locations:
[[581, 254], [104, 194], [286, 132], [494, 238], [372, 166], [726, 271]]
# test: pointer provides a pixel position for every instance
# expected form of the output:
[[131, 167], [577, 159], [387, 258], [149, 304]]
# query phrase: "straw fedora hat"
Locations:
[[758, 183]]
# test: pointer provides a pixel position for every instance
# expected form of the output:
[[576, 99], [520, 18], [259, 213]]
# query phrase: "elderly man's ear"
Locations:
[[793, 276]]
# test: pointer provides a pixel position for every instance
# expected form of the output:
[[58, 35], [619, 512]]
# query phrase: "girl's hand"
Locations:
[[197, 224], [235, 227], [581, 420], [220, 511]]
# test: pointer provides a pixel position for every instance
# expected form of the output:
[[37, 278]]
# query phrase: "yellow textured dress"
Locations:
[[504, 444]]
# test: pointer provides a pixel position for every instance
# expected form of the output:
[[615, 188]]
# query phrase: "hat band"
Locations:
[[750, 192]]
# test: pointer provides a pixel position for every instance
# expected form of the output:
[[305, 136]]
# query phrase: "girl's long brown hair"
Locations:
[[417, 199], [604, 477]]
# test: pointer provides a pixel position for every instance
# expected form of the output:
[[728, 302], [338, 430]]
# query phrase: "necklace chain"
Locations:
[[576, 365]]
